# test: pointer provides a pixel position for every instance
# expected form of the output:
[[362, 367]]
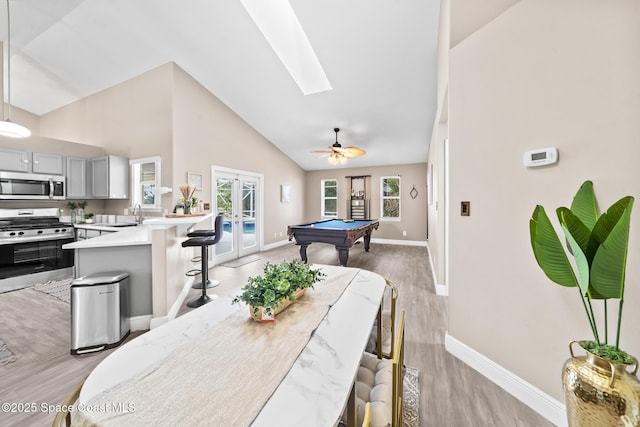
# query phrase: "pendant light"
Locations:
[[7, 127]]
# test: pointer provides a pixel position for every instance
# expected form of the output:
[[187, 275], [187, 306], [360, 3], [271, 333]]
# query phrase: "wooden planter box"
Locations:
[[263, 316]]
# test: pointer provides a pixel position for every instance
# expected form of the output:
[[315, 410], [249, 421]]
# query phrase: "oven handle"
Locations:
[[30, 239], [51, 188]]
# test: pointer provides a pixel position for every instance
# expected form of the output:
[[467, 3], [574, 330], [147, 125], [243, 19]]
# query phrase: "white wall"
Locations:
[[544, 73]]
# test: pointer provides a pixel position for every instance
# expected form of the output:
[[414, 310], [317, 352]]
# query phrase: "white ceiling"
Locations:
[[379, 55]]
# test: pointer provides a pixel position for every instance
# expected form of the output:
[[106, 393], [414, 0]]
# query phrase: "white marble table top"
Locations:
[[316, 389]]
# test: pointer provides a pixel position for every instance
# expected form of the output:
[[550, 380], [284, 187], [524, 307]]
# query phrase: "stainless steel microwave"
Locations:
[[31, 186]]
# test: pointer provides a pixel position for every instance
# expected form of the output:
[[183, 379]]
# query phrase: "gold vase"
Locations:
[[600, 393], [261, 314]]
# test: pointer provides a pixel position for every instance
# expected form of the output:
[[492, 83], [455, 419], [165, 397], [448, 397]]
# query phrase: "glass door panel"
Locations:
[[225, 205], [249, 216]]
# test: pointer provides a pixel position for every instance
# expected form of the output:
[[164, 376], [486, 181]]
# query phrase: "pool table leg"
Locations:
[[303, 253], [367, 239], [343, 255]]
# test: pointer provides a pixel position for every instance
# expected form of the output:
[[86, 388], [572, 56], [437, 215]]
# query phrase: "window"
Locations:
[[145, 178], [329, 198], [390, 200]]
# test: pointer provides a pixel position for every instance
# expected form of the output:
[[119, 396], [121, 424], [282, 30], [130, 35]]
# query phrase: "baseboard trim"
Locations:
[[400, 242], [536, 399], [140, 323], [441, 289], [275, 245]]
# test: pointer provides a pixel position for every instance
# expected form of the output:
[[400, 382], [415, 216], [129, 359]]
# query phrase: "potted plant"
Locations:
[[280, 285], [598, 244], [88, 218]]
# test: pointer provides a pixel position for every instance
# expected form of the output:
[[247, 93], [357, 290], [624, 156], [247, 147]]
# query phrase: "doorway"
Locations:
[[238, 195]]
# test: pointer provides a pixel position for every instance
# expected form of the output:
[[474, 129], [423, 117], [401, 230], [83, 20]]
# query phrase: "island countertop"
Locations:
[[138, 235]]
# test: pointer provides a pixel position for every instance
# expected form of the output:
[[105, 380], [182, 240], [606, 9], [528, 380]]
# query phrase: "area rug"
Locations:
[[6, 356], [240, 261], [60, 289], [411, 398]]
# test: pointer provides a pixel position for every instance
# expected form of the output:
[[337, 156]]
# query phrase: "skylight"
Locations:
[[280, 26]]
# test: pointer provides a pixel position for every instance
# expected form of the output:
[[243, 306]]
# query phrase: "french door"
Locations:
[[238, 195]]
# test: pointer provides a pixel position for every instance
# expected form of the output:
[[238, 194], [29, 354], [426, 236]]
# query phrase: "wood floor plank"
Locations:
[[36, 328]]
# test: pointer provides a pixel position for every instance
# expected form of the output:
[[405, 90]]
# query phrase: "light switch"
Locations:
[[465, 208]]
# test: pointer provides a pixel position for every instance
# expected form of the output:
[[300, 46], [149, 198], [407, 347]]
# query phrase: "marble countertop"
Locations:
[[125, 236], [133, 235], [316, 389]]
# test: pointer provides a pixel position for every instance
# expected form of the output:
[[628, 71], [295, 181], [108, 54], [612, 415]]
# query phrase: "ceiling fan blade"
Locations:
[[350, 151], [322, 153]]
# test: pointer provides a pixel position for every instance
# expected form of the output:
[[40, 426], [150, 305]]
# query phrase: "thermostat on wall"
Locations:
[[540, 157]]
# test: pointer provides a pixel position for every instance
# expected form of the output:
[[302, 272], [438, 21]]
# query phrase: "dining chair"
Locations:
[[385, 329], [66, 408]]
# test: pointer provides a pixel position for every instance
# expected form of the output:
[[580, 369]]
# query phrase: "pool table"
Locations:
[[338, 232]]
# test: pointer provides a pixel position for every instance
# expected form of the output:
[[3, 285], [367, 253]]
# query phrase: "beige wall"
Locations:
[[542, 74], [132, 119], [164, 112], [412, 211], [206, 132]]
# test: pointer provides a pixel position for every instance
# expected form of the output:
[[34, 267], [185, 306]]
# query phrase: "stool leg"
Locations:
[[204, 298]]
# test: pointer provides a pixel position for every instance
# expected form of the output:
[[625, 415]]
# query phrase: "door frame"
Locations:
[[260, 206]]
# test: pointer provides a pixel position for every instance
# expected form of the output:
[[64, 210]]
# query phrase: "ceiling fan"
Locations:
[[338, 153]]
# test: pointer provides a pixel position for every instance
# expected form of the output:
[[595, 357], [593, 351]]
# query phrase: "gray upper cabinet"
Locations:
[[15, 160], [77, 178], [26, 161], [110, 177], [48, 163]]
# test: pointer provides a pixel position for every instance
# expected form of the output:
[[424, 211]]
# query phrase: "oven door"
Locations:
[[29, 186], [17, 259]]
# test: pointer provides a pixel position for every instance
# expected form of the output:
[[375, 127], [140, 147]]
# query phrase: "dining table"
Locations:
[[215, 365]]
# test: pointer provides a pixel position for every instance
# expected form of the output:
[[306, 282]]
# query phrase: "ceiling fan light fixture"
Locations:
[[7, 127]]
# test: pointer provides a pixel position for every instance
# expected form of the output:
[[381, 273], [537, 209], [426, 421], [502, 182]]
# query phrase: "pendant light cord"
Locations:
[[8, 66]]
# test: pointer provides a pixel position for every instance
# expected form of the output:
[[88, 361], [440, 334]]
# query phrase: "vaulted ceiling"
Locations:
[[379, 57]]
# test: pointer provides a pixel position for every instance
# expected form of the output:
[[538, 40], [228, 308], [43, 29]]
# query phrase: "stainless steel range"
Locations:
[[31, 247]]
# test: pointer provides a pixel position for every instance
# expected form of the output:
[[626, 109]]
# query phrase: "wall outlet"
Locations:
[[281, 234], [404, 233], [275, 235]]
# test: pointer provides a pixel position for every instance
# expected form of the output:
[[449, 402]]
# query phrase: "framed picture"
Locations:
[[285, 193], [195, 179]]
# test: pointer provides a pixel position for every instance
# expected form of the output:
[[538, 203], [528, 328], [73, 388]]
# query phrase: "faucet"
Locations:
[[137, 208]]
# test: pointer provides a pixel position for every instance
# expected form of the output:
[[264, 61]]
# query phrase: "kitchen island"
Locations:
[[153, 256]]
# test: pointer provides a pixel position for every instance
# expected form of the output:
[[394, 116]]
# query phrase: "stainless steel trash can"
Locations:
[[99, 311]]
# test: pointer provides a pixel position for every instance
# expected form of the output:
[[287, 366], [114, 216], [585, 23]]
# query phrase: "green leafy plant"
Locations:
[[82, 204], [599, 246], [278, 282], [88, 215], [72, 205]]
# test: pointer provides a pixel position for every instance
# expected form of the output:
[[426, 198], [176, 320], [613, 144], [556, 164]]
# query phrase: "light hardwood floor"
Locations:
[[35, 326]]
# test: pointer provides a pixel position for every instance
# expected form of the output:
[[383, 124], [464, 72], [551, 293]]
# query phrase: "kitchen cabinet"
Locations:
[[110, 177], [26, 161], [77, 178], [47, 163], [15, 160]]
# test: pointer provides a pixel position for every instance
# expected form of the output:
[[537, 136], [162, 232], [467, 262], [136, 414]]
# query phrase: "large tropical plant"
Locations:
[[599, 245]]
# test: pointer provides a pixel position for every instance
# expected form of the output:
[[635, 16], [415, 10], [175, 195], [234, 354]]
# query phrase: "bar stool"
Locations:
[[204, 242], [196, 271]]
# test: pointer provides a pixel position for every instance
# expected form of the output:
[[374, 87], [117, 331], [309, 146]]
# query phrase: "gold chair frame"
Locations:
[[394, 299], [398, 375], [66, 414]]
